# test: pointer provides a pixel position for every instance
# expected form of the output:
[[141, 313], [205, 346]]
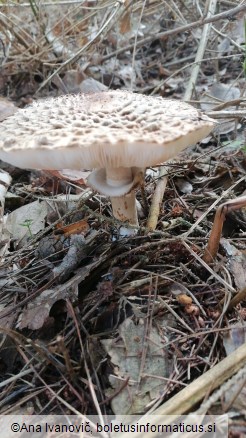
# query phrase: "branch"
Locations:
[[171, 32]]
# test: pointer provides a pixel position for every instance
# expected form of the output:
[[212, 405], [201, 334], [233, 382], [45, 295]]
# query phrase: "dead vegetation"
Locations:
[[71, 291]]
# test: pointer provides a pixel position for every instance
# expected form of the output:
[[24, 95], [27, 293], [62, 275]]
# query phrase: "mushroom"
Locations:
[[118, 133]]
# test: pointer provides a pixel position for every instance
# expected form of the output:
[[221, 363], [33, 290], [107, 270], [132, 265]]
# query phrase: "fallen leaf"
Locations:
[[75, 228], [141, 362], [38, 310], [26, 221], [125, 21], [221, 93], [235, 398], [236, 263]]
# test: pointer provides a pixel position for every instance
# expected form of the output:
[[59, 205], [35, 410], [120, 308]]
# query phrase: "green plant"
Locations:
[[27, 223]]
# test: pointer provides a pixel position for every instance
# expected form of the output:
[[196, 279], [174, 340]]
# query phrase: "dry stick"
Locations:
[[214, 239], [233, 102], [15, 377], [118, 5], [241, 296], [188, 397], [135, 42], [227, 114], [228, 287], [161, 35], [57, 396], [236, 381], [181, 29], [20, 34], [202, 217], [238, 298], [201, 50], [157, 199], [177, 72], [226, 36], [90, 383]]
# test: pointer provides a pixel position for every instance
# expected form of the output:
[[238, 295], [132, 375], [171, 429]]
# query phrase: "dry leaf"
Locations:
[[236, 263], [125, 22], [26, 221], [221, 93], [234, 337], [38, 310], [141, 362], [235, 399], [75, 228]]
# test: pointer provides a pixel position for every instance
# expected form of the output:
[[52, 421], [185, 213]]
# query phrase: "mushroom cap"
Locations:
[[108, 129]]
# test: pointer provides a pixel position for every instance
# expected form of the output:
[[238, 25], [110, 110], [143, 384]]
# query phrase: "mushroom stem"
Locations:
[[119, 183], [118, 177], [124, 207]]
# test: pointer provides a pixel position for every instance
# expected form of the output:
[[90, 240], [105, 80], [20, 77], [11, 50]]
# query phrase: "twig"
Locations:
[[181, 69], [117, 6], [202, 217], [9, 310], [172, 311], [181, 29], [188, 397], [135, 42], [238, 298], [227, 114], [233, 102], [157, 199], [214, 239], [224, 389], [90, 383], [201, 50], [20, 34], [208, 268], [12, 379]]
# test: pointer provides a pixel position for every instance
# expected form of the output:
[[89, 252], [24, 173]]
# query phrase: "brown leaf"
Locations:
[[37, 312], [75, 228], [125, 22]]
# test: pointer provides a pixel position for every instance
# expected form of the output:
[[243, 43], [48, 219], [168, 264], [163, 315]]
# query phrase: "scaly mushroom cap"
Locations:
[[108, 129]]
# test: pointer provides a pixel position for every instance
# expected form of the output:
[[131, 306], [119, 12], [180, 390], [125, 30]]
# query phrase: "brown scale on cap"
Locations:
[[117, 132]]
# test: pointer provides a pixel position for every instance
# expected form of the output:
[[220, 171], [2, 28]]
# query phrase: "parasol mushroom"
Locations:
[[118, 133]]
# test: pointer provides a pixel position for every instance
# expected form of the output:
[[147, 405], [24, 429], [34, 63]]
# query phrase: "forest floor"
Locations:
[[136, 324]]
